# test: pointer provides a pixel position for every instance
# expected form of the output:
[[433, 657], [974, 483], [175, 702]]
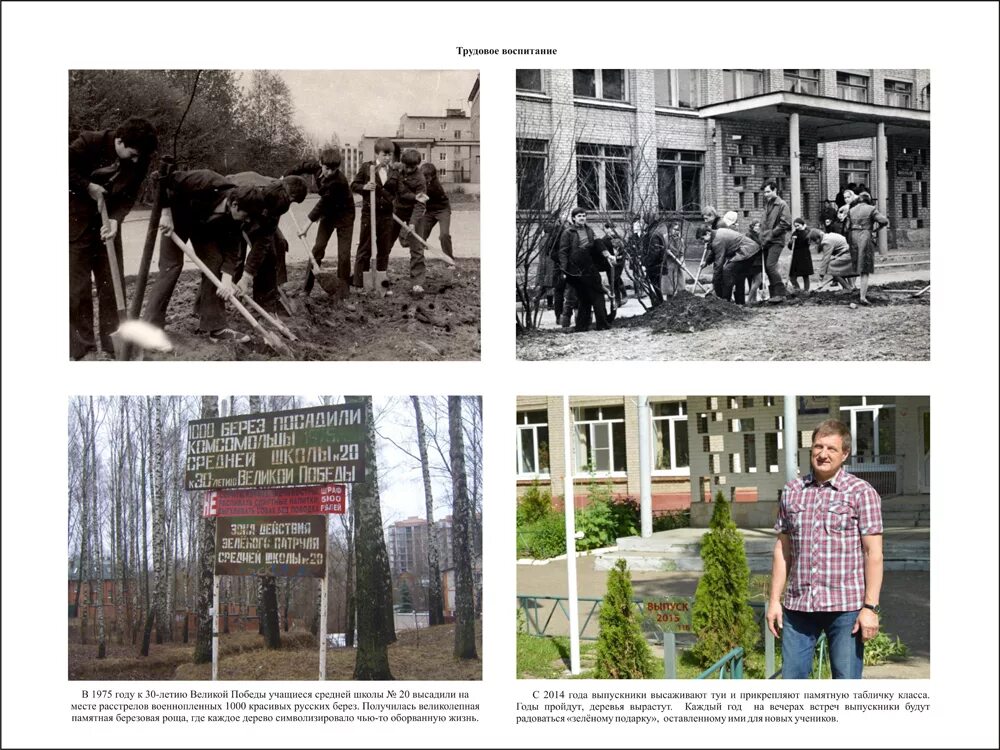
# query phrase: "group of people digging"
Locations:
[[231, 224], [744, 264]]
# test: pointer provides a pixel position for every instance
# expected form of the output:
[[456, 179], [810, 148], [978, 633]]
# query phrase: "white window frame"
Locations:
[[592, 425], [875, 409], [673, 424], [794, 77], [888, 88], [848, 85], [738, 92], [444, 125], [458, 134], [533, 428], [442, 156], [604, 161], [673, 95], [541, 83], [422, 126], [599, 87]]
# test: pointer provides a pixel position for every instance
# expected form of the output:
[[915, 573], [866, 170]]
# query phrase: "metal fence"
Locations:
[[883, 471]]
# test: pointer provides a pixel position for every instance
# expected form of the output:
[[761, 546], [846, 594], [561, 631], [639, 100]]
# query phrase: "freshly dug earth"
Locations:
[[894, 327], [417, 655], [443, 324]]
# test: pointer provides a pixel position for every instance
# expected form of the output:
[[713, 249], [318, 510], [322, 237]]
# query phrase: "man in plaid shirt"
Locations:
[[829, 552]]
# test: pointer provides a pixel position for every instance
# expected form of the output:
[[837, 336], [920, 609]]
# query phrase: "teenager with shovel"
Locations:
[[106, 169]]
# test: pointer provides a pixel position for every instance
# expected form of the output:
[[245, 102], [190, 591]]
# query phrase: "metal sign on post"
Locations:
[[283, 501], [672, 614], [300, 447], [271, 545]]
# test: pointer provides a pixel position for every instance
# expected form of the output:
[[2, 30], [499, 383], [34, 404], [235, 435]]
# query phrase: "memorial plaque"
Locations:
[[292, 546], [296, 448]]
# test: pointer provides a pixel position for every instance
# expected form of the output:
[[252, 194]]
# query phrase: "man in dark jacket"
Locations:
[[362, 185], [580, 258], [106, 166], [409, 194], [742, 263], [334, 212], [725, 247], [204, 207], [774, 228]]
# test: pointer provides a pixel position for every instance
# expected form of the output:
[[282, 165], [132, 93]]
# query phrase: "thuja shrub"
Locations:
[[622, 652], [722, 619]]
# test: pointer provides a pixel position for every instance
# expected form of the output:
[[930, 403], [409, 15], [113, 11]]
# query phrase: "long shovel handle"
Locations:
[[190, 253], [116, 278], [687, 270], [373, 255], [268, 317], [309, 255], [429, 245]]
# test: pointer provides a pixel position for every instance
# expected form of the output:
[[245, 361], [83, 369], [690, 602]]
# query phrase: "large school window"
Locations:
[[679, 179], [600, 84], [750, 452], [670, 441], [856, 171], [802, 80], [532, 443], [603, 177], [898, 93], [676, 88], [532, 154], [852, 87], [600, 439], [528, 80], [738, 84]]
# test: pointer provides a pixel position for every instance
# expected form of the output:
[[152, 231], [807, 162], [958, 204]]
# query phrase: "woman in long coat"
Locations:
[[864, 222]]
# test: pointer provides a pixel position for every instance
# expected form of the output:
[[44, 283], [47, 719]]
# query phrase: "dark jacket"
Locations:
[[336, 201], [405, 186], [776, 222], [383, 199], [192, 197], [437, 198], [729, 245], [92, 158], [579, 254]]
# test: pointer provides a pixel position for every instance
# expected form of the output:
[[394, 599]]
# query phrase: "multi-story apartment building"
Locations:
[[625, 142], [702, 444], [449, 141], [406, 544]]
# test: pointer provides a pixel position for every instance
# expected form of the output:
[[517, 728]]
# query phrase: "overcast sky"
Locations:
[[353, 103]]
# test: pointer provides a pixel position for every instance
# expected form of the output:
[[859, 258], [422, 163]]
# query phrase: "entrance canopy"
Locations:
[[831, 119]]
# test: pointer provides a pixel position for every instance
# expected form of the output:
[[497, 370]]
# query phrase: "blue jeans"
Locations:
[[798, 642]]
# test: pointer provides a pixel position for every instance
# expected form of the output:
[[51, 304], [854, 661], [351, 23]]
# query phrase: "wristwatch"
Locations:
[[873, 607]]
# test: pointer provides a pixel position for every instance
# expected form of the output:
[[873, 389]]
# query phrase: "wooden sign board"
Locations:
[[295, 448], [292, 546]]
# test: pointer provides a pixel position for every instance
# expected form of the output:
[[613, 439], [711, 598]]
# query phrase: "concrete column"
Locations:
[[882, 154], [569, 508], [645, 468], [795, 189], [791, 430]]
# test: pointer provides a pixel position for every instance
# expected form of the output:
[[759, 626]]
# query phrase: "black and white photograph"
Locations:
[[723, 214], [226, 214]]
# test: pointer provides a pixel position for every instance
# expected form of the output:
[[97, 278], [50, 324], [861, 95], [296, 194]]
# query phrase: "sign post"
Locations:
[[270, 481]]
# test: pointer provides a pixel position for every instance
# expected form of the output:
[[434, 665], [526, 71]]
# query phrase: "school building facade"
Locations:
[[449, 141], [700, 445], [625, 142]]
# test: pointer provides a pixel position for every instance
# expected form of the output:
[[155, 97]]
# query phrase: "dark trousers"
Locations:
[[653, 274], [414, 215], [442, 217], [210, 309], [88, 256], [383, 243], [772, 252], [739, 273], [722, 284], [344, 227], [270, 273], [590, 295]]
